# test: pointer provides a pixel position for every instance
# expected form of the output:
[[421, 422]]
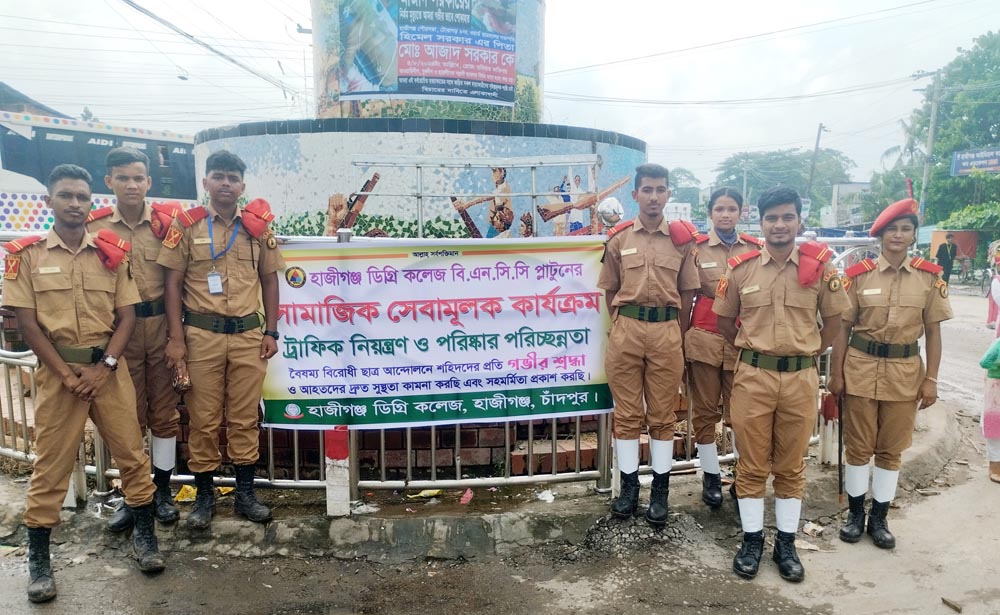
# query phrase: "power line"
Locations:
[[737, 39]]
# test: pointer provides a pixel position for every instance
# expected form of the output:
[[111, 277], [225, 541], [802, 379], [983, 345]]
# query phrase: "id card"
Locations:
[[214, 283]]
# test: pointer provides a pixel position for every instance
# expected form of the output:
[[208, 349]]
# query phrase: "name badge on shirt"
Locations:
[[214, 283], [872, 291], [48, 270], [629, 251], [750, 289], [202, 240], [709, 265]]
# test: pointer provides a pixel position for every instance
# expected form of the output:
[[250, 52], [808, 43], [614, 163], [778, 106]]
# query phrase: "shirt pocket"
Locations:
[[53, 292], [99, 299], [633, 275], [247, 254], [756, 308], [911, 308]]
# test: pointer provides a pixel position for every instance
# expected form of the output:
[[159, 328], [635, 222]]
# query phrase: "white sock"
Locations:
[[884, 484], [786, 513], [856, 479], [661, 453], [752, 514], [992, 449], [709, 457], [164, 452], [627, 452]]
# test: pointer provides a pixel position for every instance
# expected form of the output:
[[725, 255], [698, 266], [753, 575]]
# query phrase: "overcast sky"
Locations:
[[125, 67]]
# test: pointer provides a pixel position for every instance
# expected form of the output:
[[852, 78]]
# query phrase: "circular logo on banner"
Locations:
[[296, 277], [292, 411]]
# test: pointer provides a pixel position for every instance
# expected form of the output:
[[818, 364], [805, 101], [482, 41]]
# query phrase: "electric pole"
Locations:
[[930, 144], [743, 164], [812, 169]]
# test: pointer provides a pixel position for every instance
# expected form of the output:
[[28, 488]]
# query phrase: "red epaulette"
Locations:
[[97, 214], [189, 216], [621, 226], [858, 268], [682, 232], [923, 265], [757, 241], [111, 248], [739, 259], [701, 238], [16, 245], [12, 261]]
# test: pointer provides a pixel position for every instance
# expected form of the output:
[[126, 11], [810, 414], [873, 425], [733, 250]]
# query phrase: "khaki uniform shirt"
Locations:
[[646, 268], [145, 249], [891, 306], [710, 258], [240, 266], [74, 296], [778, 314]]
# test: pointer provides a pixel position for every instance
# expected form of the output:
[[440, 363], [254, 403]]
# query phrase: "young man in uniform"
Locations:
[[73, 295], [876, 363], [143, 227], [776, 292], [222, 260], [710, 357], [649, 278]]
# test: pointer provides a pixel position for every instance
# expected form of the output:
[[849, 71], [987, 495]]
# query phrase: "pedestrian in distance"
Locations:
[[710, 358], [946, 255], [222, 261], [143, 226], [73, 296], [649, 278], [876, 365], [776, 293]]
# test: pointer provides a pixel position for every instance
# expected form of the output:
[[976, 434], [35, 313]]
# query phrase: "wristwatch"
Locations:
[[110, 361], [273, 334]]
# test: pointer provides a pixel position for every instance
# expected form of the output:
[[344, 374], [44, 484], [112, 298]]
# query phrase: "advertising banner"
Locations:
[[430, 49], [967, 161], [405, 333]]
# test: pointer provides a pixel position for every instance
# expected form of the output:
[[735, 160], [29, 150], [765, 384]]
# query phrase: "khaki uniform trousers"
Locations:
[[880, 428], [774, 418], [156, 400], [644, 361], [226, 378], [709, 383], [60, 418]]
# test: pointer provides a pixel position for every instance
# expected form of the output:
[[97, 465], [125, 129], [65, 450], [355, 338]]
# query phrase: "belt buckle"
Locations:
[[782, 364], [228, 326], [883, 351], [240, 325], [96, 354], [653, 314]]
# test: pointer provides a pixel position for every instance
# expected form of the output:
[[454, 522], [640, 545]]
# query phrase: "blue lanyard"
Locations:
[[211, 238]]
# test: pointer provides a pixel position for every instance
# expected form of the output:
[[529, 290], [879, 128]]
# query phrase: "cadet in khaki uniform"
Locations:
[[156, 401], [776, 293], [222, 261], [68, 289], [649, 277], [876, 363], [710, 357]]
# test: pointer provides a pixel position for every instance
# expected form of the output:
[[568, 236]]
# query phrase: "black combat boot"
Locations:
[[854, 527], [42, 585], [656, 514], [711, 489], [121, 519], [878, 526], [789, 566], [163, 501], [144, 543], [747, 559], [204, 503], [246, 503], [628, 498]]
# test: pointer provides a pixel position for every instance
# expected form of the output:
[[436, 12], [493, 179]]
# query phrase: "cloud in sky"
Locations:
[[125, 67]]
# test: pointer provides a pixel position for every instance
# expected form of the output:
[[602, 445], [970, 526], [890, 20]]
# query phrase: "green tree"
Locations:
[[684, 188], [787, 167], [88, 115], [968, 117]]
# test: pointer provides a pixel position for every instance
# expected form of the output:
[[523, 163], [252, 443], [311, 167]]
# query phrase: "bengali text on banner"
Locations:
[[417, 332]]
